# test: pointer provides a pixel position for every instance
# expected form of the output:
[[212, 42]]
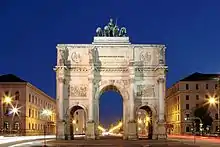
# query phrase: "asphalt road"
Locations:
[[113, 142]]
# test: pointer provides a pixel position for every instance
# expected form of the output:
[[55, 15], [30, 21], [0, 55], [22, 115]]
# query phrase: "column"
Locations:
[[60, 89], [161, 88], [161, 130], [61, 131], [90, 130], [131, 101], [91, 105], [132, 125]]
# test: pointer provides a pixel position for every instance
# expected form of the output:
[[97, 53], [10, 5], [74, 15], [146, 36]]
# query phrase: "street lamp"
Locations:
[[213, 101], [47, 113], [5, 100]]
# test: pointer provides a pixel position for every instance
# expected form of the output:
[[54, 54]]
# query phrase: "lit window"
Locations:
[[16, 126]]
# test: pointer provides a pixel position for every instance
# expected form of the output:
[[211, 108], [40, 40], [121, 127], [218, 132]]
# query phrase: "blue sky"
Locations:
[[30, 30]]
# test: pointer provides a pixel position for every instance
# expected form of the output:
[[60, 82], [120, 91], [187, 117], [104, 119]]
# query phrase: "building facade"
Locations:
[[25, 109], [136, 71], [187, 95]]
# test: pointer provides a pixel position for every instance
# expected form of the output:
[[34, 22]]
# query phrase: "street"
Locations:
[[110, 141]]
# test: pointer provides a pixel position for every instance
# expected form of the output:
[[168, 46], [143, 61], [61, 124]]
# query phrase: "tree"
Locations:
[[204, 115]]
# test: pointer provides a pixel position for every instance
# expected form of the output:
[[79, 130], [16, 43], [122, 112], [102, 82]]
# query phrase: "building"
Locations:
[[25, 109], [185, 96], [111, 62]]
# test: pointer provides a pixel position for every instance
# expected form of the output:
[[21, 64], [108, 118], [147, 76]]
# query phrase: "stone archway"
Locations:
[[145, 122], [121, 91], [77, 120]]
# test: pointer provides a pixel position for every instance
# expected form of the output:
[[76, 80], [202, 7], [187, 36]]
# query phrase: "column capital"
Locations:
[[161, 80]]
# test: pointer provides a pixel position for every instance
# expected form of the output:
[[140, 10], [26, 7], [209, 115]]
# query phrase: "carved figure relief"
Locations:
[[62, 56], [145, 91], [162, 55], [76, 57], [78, 90], [145, 56]]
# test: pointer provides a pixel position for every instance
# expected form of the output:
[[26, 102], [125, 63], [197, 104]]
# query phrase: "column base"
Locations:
[[161, 129], [132, 131], [90, 131], [60, 131]]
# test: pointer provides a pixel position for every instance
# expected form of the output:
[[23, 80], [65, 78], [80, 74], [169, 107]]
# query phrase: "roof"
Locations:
[[11, 78], [200, 77]]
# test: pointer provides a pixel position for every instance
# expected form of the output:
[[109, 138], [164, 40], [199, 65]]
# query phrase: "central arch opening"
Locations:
[[111, 111]]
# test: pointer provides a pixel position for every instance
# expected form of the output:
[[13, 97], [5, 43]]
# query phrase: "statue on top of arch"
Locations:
[[111, 30]]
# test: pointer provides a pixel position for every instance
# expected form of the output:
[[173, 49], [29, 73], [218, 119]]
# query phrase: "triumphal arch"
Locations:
[[111, 62]]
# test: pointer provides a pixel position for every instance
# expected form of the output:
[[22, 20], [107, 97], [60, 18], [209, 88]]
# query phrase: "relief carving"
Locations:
[[62, 56], [78, 90], [145, 56], [145, 91], [76, 57], [162, 55]]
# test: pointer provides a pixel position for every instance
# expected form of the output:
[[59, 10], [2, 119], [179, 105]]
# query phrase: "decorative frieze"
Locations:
[[145, 91], [78, 90]]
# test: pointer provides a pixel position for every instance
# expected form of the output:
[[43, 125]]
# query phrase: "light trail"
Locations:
[[115, 127]]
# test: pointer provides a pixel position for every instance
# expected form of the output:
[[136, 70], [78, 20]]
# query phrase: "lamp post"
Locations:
[[212, 100], [47, 113], [5, 100]]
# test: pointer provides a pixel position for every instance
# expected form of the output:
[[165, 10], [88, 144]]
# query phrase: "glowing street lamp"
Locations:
[[7, 100], [74, 122], [212, 100]]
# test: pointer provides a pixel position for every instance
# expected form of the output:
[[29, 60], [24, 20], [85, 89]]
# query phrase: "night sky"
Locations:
[[30, 30]]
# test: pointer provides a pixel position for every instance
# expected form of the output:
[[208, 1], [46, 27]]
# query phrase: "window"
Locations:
[[29, 97], [206, 96], [216, 86], [76, 113], [187, 129], [16, 126], [29, 112], [197, 97], [197, 86], [35, 100], [6, 93], [33, 113], [187, 97], [17, 95], [32, 99], [32, 126], [207, 86], [187, 86], [187, 106], [197, 105], [77, 121], [216, 128], [29, 126], [6, 125], [216, 116], [36, 126], [187, 115]]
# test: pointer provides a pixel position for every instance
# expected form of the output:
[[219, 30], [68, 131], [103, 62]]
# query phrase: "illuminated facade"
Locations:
[[23, 108], [111, 62], [185, 96]]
